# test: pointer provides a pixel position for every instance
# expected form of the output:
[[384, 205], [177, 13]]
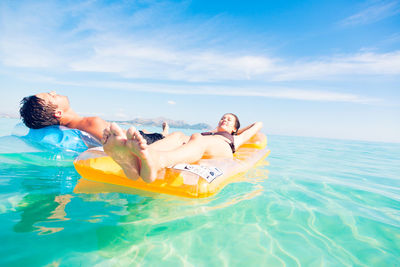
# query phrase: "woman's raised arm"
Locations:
[[244, 134]]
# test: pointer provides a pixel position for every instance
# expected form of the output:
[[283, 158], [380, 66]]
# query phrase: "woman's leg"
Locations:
[[170, 142]]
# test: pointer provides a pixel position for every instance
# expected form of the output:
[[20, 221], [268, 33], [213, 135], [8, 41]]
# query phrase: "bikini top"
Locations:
[[226, 135]]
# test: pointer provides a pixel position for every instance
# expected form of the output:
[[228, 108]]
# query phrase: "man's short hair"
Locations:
[[36, 113]]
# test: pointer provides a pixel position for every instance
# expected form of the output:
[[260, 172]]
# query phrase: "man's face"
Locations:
[[61, 102]]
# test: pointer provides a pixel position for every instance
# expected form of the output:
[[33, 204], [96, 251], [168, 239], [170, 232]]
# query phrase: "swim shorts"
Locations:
[[151, 138]]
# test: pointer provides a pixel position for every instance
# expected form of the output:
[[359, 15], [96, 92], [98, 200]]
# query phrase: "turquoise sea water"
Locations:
[[314, 202]]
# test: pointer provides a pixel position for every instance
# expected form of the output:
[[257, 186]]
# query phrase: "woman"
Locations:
[[138, 159]]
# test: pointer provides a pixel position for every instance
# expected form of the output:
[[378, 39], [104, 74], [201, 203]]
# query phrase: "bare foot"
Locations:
[[165, 128], [106, 134], [114, 144], [148, 158]]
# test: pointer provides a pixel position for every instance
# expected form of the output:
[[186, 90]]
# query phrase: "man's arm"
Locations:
[[94, 125]]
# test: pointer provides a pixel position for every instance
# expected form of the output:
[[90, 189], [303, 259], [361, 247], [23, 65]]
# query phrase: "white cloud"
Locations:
[[171, 102], [338, 67], [294, 93], [134, 45], [27, 54], [160, 63], [64, 39], [373, 13]]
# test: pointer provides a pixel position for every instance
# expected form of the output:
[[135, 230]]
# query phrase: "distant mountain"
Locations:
[[175, 124]]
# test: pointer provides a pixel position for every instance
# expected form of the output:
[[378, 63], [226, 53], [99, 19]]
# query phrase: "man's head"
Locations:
[[44, 109]]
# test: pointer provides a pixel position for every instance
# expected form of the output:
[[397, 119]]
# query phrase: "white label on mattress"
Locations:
[[97, 148], [206, 172]]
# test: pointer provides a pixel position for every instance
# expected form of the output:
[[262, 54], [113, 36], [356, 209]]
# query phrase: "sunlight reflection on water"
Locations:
[[312, 202]]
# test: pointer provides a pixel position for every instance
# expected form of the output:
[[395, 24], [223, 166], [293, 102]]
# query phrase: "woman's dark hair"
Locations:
[[36, 113], [237, 123]]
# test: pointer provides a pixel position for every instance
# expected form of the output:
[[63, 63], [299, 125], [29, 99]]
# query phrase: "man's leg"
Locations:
[[153, 160], [114, 144], [165, 128]]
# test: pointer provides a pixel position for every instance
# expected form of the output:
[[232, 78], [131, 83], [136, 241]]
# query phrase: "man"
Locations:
[[45, 109]]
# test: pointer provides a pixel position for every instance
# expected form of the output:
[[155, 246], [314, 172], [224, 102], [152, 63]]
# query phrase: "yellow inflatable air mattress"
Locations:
[[198, 180]]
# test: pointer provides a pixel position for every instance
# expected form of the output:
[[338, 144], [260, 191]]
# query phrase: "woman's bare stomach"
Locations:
[[217, 147]]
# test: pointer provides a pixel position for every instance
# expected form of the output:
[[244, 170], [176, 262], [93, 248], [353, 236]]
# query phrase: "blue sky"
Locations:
[[309, 68]]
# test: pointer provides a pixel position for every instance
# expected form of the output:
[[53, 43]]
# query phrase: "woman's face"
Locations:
[[227, 123]]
